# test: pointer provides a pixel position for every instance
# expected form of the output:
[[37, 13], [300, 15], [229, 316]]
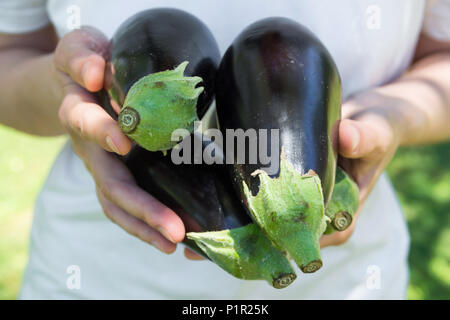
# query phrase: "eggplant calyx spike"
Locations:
[[157, 105], [128, 120], [284, 280], [342, 220], [311, 267], [343, 204], [290, 210], [246, 253]]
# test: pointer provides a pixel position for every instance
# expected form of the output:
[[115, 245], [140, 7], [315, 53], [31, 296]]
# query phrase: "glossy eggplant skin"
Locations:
[[278, 75], [201, 194], [157, 40]]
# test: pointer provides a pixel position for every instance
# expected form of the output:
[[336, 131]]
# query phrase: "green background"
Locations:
[[421, 177]]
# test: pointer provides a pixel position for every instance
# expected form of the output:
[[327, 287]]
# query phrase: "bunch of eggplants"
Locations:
[[163, 71]]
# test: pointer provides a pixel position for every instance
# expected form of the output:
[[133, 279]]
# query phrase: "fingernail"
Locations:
[[165, 234], [355, 138], [111, 144]]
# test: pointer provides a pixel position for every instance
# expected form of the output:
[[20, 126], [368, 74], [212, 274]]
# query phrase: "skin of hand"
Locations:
[[412, 110], [369, 135], [79, 60]]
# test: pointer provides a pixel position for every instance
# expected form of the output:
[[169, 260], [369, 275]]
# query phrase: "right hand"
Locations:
[[79, 61]]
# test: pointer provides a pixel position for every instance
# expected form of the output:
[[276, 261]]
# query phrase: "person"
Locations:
[[394, 60]]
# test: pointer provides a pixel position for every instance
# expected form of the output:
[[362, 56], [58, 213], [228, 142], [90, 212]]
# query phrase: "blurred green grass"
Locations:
[[420, 175], [24, 164]]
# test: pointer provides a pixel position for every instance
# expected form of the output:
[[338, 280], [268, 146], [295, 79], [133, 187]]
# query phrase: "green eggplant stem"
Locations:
[[129, 120], [290, 210], [343, 204], [246, 253], [157, 105]]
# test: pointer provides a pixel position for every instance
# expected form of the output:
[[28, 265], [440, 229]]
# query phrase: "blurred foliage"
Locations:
[[24, 164], [420, 175]]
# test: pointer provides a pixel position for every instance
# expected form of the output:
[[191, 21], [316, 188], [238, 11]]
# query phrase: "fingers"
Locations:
[[335, 239], [83, 117], [356, 139], [134, 226], [81, 55], [116, 185], [191, 255], [144, 207]]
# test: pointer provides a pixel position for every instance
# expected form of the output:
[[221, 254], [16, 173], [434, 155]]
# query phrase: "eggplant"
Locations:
[[155, 42], [214, 218], [277, 75], [156, 60]]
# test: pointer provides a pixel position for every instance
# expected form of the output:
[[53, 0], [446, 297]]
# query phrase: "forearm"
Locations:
[[425, 89], [30, 91]]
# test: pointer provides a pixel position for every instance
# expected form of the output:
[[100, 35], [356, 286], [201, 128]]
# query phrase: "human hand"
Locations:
[[369, 135], [79, 62]]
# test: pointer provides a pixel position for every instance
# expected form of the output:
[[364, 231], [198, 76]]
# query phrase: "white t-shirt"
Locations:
[[372, 42]]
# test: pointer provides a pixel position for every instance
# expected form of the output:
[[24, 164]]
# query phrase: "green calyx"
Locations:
[[343, 204], [157, 105], [290, 210], [246, 253]]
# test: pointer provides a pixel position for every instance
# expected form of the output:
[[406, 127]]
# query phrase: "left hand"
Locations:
[[369, 136]]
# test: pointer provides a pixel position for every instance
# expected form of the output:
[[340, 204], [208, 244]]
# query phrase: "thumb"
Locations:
[[356, 139]]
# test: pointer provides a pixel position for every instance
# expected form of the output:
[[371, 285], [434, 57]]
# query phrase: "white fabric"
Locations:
[[372, 42], [19, 16], [437, 19]]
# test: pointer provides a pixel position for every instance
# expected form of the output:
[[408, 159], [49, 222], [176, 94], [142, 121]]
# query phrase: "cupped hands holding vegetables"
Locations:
[[79, 60], [368, 137]]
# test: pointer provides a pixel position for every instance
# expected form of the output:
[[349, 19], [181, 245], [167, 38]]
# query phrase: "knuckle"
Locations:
[[143, 234], [108, 213], [77, 125], [108, 189], [106, 206], [62, 116], [80, 128], [106, 209], [150, 218], [63, 113], [64, 46], [79, 151]]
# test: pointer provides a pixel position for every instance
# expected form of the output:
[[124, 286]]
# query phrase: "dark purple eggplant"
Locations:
[[278, 75], [217, 224], [150, 54], [203, 197]]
